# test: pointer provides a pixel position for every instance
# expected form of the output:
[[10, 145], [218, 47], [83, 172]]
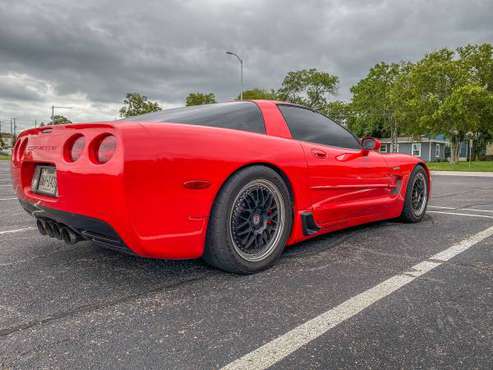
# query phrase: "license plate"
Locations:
[[44, 181]]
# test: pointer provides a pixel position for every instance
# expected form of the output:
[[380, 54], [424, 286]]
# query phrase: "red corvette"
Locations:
[[233, 183]]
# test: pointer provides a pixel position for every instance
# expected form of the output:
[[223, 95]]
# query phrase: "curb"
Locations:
[[462, 173]]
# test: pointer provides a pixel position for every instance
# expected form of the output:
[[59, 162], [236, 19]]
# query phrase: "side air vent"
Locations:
[[309, 225]]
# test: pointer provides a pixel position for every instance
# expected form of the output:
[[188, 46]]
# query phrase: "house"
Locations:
[[489, 151], [429, 149], [6, 139]]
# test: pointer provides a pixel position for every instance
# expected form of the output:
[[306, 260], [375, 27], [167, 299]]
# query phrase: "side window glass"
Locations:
[[307, 125]]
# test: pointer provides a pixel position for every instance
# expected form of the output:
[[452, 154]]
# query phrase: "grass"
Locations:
[[4, 157], [475, 166]]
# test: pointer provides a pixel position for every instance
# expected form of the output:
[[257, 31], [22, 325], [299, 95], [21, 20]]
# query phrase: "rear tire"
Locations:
[[250, 222], [417, 194]]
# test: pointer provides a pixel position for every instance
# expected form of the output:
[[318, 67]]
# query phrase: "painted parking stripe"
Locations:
[[8, 198], [279, 348], [460, 214], [16, 230], [478, 210], [463, 209]]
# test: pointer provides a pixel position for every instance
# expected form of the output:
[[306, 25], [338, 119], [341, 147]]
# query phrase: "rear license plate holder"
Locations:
[[45, 181]]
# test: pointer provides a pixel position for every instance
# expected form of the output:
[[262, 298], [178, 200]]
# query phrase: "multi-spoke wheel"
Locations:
[[256, 220], [416, 196], [250, 222]]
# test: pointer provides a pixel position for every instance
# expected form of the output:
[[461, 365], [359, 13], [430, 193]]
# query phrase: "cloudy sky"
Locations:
[[87, 54]]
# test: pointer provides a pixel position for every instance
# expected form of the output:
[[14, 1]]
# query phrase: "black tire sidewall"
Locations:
[[219, 249], [408, 214]]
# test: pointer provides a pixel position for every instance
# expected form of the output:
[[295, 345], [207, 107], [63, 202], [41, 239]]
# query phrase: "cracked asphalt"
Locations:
[[85, 307]]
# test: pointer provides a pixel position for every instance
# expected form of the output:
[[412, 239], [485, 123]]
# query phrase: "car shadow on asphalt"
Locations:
[[313, 246]]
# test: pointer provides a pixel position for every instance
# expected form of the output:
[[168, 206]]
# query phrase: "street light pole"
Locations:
[[241, 71]]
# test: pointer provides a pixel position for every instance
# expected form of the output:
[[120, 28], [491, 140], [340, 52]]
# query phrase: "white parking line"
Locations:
[[460, 214], [463, 209], [461, 173], [279, 348], [478, 210], [16, 230], [8, 198]]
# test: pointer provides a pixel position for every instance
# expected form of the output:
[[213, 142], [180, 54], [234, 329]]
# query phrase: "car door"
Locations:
[[344, 181]]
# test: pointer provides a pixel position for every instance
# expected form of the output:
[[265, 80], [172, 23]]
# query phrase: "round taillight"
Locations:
[[75, 147], [19, 152], [105, 149], [15, 150]]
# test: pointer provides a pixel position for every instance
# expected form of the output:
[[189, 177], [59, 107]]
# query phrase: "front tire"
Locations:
[[250, 221], [417, 193]]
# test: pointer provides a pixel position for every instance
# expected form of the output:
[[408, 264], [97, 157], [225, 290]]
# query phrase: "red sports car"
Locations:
[[233, 183]]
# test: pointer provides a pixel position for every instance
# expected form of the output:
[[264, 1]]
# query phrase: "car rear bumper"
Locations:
[[187, 245], [86, 228]]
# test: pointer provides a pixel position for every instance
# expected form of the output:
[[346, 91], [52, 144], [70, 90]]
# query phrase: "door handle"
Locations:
[[317, 153]]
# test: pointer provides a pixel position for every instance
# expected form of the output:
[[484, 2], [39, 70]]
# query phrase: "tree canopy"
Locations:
[[258, 94], [198, 98], [446, 92], [373, 110], [308, 87], [339, 111], [58, 119], [135, 104]]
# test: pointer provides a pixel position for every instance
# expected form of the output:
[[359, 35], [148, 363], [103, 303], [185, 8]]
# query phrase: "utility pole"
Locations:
[[53, 112]]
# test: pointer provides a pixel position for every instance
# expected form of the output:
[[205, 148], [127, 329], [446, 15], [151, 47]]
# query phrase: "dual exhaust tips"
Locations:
[[56, 230]]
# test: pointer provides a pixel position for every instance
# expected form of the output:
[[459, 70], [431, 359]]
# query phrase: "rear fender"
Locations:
[[156, 170]]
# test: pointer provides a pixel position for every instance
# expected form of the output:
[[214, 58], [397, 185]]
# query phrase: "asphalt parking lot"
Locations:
[[377, 296]]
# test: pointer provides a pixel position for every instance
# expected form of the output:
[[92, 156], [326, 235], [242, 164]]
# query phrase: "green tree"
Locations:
[[373, 109], [468, 111], [258, 94], [135, 104], [429, 84], [477, 60], [308, 87], [339, 111], [198, 98], [58, 119]]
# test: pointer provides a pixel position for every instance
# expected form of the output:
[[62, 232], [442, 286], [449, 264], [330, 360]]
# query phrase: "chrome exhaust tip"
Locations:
[[69, 236], [57, 231], [41, 226], [49, 227]]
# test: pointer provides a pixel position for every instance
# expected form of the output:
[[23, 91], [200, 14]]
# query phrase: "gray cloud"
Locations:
[[88, 54]]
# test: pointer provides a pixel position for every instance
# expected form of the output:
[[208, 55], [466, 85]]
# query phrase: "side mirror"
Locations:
[[370, 143]]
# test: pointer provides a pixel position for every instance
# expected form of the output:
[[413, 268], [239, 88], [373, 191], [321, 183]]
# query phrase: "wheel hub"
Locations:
[[256, 219]]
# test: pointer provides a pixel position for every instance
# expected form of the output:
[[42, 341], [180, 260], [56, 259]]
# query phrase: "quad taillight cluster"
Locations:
[[101, 149], [19, 149]]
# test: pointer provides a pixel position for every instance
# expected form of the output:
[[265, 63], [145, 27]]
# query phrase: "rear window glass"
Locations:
[[244, 116]]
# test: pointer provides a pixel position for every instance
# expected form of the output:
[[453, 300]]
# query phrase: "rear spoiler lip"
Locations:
[[89, 125], [50, 128]]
